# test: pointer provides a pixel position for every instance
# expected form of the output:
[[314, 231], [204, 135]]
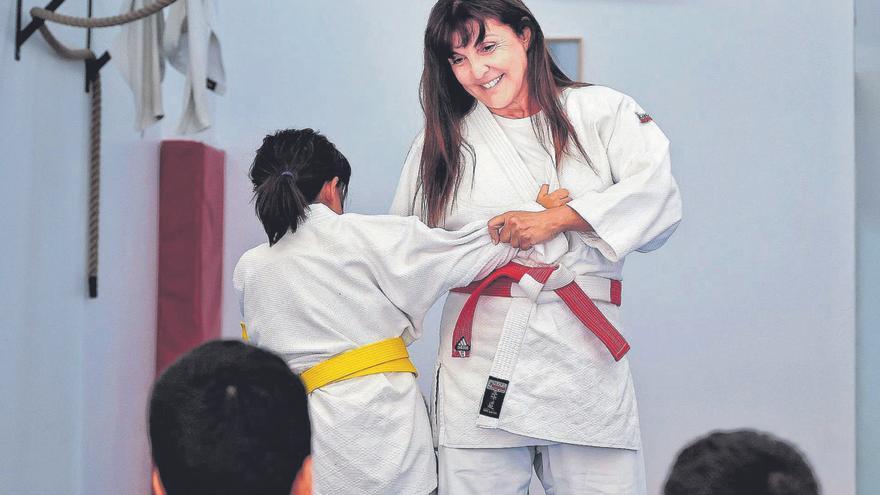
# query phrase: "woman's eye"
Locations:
[[456, 60], [489, 47]]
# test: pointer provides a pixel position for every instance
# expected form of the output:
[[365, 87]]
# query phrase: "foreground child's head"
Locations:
[[230, 418], [293, 169], [742, 462]]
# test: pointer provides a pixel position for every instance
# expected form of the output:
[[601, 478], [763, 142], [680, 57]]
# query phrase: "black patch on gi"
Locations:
[[462, 345], [493, 398]]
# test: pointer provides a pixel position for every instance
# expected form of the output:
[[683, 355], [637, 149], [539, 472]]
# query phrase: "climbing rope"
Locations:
[[101, 22], [95, 128], [94, 152], [94, 183]]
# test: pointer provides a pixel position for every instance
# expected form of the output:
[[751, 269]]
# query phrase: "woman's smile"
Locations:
[[494, 82]]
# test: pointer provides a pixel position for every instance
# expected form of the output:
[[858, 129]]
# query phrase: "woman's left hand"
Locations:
[[524, 229]]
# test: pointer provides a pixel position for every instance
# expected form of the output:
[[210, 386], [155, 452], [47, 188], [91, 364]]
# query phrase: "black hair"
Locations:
[[740, 462], [288, 172], [229, 418]]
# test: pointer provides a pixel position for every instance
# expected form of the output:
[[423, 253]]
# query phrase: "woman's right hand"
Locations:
[[558, 197]]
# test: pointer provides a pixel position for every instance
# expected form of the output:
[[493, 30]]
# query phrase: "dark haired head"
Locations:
[[445, 102], [229, 418], [740, 462], [288, 172]]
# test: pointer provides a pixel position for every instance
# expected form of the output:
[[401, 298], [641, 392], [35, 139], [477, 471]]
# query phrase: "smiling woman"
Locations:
[[503, 127], [458, 57], [482, 66]]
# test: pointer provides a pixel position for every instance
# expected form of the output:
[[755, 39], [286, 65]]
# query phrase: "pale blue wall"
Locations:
[[745, 318], [867, 47], [74, 372]]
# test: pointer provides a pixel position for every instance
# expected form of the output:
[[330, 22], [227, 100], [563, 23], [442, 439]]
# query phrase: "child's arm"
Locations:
[[553, 199], [414, 265]]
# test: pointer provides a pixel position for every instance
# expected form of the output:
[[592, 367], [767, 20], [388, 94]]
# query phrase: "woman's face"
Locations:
[[494, 70]]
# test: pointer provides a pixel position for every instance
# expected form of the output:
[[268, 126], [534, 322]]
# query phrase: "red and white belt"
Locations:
[[534, 284], [532, 280]]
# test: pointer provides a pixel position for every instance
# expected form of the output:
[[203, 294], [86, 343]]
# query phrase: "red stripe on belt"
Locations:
[[499, 283]]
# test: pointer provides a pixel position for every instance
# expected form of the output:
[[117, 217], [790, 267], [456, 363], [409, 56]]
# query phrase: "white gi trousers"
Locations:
[[562, 469]]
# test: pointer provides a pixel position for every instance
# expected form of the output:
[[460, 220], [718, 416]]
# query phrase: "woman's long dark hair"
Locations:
[[288, 172], [445, 102]]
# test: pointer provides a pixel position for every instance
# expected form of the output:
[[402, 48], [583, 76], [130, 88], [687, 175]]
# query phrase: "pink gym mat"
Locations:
[[191, 177]]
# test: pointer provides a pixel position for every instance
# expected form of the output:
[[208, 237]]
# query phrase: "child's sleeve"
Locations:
[[414, 265]]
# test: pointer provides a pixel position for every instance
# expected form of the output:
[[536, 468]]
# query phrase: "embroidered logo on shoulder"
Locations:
[[462, 347], [644, 118]]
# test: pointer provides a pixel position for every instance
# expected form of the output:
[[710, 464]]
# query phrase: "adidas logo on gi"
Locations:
[[462, 347]]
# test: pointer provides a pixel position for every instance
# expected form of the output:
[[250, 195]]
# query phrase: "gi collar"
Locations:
[[318, 212]]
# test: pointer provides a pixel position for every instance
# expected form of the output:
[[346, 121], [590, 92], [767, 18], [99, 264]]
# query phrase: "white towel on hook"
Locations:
[[138, 55], [191, 44]]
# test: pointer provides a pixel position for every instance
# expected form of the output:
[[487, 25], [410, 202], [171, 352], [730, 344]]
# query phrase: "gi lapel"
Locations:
[[507, 157]]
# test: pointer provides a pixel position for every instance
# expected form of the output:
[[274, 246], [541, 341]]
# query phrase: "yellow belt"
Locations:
[[385, 356]]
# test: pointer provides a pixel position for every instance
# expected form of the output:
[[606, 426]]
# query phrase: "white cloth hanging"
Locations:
[[193, 48], [138, 55]]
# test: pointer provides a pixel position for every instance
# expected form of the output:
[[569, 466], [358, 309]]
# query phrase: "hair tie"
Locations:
[[288, 173]]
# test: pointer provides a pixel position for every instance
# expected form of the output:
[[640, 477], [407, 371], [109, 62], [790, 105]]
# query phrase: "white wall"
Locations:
[[745, 318], [867, 46]]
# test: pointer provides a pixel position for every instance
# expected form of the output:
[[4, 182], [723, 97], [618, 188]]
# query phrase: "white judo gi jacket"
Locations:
[[343, 281], [564, 386]]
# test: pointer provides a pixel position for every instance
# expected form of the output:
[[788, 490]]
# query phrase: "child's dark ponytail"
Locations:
[[288, 172]]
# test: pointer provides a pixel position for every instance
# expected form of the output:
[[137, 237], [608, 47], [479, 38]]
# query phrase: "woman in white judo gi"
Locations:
[[535, 374], [338, 297]]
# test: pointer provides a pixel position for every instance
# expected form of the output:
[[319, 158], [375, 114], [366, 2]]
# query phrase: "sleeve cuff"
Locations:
[[597, 238]]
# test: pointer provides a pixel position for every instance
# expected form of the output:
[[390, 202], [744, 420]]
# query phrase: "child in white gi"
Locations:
[[328, 283]]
